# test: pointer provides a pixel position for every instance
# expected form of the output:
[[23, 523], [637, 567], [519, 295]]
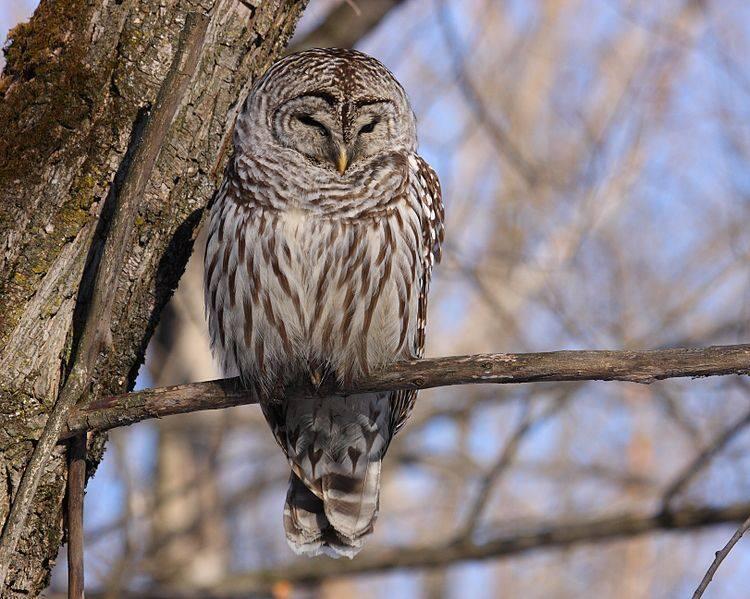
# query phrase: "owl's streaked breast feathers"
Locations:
[[321, 245]]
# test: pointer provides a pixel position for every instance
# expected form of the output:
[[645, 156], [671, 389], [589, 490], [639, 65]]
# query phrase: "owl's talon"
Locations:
[[316, 378]]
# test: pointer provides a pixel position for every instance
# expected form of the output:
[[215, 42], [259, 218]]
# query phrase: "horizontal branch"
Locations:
[[548, 535], [597, 365]]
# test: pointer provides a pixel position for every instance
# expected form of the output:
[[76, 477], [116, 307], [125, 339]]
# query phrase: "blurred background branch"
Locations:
[[495, 545], [345, 25]]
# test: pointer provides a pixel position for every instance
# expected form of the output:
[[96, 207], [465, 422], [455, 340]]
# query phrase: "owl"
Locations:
[[322, 237]]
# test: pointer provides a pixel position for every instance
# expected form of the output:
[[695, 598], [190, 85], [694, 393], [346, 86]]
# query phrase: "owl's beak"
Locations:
[[342, 160]]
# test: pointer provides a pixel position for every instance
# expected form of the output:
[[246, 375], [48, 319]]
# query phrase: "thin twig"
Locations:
[[720, 556], [584, 365], [76, 486]]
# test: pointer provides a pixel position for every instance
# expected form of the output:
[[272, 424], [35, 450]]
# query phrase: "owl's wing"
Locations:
[[425, 186]]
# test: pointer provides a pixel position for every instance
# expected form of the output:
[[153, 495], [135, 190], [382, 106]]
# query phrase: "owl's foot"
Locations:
[[316, 378]]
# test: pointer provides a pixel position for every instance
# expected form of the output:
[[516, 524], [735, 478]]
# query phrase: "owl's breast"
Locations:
[[305, 291]]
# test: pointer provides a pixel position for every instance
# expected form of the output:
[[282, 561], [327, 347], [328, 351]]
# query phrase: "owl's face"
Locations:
[[339, 110], [336, 134]]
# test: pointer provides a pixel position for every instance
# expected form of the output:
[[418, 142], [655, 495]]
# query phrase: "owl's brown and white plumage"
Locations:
[[321, 244]]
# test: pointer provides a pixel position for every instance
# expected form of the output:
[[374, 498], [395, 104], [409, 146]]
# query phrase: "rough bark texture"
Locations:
[[80, 79]]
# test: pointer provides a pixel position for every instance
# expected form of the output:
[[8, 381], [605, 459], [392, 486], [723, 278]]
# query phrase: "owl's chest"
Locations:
[[305, 240], [333, 291], [322, 268]]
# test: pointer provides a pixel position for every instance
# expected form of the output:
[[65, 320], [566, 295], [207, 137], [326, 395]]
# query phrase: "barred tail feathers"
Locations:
[[335, 446]]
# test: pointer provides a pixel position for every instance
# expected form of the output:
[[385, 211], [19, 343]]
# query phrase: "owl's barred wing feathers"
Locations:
[[321, 245], [425, 186]]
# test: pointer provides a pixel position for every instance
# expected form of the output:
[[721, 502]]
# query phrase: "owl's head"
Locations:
[[339, 109]]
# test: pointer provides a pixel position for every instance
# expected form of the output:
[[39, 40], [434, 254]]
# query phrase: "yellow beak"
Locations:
[[342, 161]]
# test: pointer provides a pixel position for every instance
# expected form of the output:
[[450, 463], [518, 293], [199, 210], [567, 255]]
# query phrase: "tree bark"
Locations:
[[77, 92]]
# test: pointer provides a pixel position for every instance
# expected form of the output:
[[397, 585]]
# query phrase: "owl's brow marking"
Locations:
[[328, 98], [370, 101]]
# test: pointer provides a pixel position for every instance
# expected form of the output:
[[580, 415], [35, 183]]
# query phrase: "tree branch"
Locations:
[[76, 487], [546, 535], [587, 365], [719, 557]]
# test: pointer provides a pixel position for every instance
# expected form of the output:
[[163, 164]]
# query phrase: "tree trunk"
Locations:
[[77, 90]]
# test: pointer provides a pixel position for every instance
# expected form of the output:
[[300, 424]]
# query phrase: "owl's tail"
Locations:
[[335, 452], [334, 527]]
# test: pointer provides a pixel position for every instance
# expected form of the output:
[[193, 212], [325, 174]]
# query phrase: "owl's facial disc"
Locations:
[[335, 135], [369, 129], [308, 125]]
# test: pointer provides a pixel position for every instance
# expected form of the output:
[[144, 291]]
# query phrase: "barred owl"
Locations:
[[322, 239]]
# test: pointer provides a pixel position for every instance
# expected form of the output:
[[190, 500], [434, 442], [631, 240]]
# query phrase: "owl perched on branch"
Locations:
[[321, 243]]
